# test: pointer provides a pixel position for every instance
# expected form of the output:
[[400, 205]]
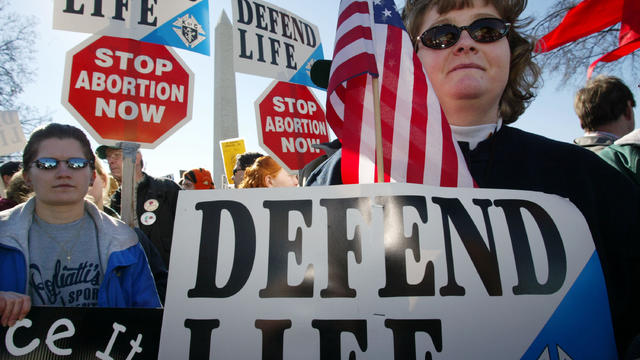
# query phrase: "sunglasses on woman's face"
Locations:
[[483, 30], [51, 163]]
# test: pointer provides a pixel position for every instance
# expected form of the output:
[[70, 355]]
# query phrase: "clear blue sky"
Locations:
[[551, 114]]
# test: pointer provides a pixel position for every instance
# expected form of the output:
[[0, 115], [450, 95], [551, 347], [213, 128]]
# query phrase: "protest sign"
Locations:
[[273, 42], [383, 271], [230, 148], [290, 120], [83, 333], [178, 23], [127, 90], [11, 136]]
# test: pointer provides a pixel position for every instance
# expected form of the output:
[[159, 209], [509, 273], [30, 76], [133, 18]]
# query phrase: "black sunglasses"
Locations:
[[51, 163], [483, 30]]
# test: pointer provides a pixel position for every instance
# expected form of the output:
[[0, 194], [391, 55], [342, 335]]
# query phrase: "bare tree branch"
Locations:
[[17, 48], [571, 61]]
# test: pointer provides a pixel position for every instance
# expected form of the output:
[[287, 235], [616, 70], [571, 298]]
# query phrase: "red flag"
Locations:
[[629, 38], [584, 19], [591, 16], [418, 146]]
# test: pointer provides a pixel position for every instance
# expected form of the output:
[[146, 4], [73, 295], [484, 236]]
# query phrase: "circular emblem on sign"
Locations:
[[148, 218], [151, 205]]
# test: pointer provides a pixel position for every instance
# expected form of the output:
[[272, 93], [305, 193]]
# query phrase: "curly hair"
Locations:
[[254, 176], [523, 71]]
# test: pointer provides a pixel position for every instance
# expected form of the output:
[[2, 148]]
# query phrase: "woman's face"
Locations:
[[62, 185], [282, 179], [467, 71], [96, 190], [188, 185]]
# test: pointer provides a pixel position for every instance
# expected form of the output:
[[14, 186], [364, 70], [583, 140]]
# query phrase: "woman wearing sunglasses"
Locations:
[[58, 249], [482, 72]]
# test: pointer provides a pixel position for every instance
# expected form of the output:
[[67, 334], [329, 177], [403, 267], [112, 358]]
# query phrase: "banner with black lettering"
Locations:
[[272, 42], [83, 333], [179, 23], [383, 271]]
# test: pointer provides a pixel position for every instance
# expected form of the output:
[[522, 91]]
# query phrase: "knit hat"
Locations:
[[200, 178]]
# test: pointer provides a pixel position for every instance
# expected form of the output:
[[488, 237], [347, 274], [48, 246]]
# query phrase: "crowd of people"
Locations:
[[63, 207]]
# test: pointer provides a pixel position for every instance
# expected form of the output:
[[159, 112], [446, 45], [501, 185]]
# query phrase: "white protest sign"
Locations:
[[273, 42], [177, 23], [383, 271], [11, 136]]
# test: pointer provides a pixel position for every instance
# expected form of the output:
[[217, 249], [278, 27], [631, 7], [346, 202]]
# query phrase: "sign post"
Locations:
[[289, 121]]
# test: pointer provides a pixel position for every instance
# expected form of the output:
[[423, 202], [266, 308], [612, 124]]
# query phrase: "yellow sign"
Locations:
[[230, 148]]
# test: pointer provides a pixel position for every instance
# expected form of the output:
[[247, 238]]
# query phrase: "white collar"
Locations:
[[476, 133]]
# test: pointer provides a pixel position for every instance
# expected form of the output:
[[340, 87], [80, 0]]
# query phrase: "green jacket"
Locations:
[[624, 155]]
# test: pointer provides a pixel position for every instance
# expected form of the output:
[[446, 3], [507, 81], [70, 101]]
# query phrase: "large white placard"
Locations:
[[177, 23], [273, 42], [11, 136], [383, 271]]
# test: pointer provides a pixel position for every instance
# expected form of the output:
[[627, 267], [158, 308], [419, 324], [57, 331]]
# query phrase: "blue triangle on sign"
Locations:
[[303, 76], [189, 30], [580, 328]]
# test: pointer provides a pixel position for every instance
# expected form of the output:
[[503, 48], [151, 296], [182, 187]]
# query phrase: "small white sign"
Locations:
[[383, 271], [11, 136], [273, 42]]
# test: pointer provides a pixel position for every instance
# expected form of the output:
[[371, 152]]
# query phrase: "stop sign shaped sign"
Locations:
[[127, 90], [289, 120]]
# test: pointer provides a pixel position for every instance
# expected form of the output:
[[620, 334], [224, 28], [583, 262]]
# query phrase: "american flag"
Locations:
[[417, 143]]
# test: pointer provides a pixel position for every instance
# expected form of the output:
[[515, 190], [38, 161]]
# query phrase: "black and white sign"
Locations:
[[383, 271], [273, 42], [83, 333]]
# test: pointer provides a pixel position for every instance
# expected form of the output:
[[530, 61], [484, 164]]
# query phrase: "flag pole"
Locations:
[[376, 116]]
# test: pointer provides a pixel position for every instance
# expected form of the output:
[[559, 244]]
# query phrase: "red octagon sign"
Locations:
[[127, 90], [289, 120]]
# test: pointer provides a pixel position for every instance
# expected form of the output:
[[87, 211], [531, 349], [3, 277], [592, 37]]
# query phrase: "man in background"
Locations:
[[605, 108], [243, 161], [155, 200]]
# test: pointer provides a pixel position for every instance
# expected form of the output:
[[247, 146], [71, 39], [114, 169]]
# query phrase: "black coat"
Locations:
[[515, 159], [160, 232]]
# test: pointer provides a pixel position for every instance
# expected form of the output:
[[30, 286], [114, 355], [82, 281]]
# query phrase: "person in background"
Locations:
[[57, 232], [98, 191], [17, 192], [7, 170], [329, 148], [197, 179], [97, 194], [155, 200], [243, 161], [265, 172], [605, 108]]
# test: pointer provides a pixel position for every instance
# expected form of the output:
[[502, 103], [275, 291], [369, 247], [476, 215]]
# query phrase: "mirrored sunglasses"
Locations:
[[483, 30], [51, 163]]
